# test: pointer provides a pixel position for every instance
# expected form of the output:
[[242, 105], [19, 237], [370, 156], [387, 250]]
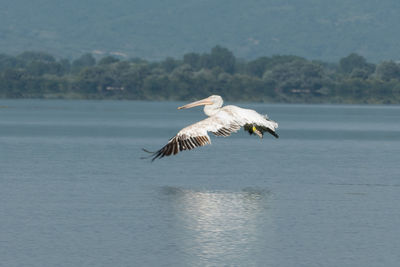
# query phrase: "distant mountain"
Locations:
[[150, 29]]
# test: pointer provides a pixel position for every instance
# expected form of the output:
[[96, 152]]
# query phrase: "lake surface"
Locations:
[[74, 191]]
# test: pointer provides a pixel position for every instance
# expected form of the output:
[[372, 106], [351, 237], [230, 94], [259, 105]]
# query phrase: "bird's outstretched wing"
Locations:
[[196, 135]]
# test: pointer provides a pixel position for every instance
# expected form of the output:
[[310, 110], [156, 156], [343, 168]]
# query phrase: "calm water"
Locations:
[[74, 191]]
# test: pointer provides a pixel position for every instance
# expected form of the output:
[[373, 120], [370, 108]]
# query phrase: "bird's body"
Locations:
[[222, 121]]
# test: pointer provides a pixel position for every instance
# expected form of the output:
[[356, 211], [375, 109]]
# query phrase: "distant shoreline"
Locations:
[[276, 79], [183, 100]]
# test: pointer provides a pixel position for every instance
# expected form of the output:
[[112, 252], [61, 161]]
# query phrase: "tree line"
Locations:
[[279, 78]]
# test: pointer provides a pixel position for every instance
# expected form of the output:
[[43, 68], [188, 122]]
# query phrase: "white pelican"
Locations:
[[221, 121]]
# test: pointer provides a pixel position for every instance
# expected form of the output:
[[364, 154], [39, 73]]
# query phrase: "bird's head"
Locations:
[[214, 100]]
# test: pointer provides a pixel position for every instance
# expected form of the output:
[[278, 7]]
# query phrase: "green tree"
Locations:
[[258, 66], [355, 61], [108, 60], [192, 59], [65, 65], [35, 56], [223, 58], [297, 77], [388, 70], [86, 60], [169, 64]]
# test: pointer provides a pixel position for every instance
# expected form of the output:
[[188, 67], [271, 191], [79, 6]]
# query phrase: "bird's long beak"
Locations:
[[205, 101]]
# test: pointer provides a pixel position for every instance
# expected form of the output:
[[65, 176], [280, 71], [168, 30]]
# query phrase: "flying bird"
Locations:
[[221, 121]]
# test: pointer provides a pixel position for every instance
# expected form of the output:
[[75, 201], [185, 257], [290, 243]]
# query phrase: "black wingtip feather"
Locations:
[[273, 133]]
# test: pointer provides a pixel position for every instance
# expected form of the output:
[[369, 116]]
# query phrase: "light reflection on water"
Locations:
[[219, 226]]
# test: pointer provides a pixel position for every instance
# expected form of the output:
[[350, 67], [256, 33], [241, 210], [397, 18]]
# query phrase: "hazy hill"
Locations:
[[155, 29]]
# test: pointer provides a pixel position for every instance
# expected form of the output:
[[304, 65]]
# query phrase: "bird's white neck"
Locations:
[[211, 110]]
